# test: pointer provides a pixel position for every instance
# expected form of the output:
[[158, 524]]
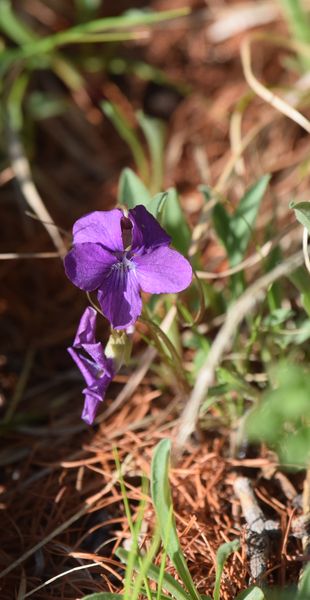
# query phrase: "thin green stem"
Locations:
[[157, 332]]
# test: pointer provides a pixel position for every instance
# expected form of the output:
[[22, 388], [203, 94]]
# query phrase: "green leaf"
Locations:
[[174, 222], [302, 213], [235, 230], [161, 496], [169, 583], [281, 419], [13, 27], [128, 134], [224, 551], [157, 204], [304, 586], [253, 593], [131, 190], [154, 132], [301, 280], [104, 596]]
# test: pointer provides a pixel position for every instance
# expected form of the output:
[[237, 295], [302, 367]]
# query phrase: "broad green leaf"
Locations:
[[302, 213], [235, 230], [103, 596], [253, 593], [161, 496], [281, 419], [132, 191], [224, 551], [174, 222], [169, 583]]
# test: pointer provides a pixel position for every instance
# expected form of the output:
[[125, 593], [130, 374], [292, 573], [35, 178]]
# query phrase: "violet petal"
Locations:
[[97, 370], [91, 406], [86, 329], [163, 270], [100, 227], [86, 265], [146, 230], [120, 299]]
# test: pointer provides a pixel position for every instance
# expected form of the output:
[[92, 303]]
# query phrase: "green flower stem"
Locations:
[[159, 335]]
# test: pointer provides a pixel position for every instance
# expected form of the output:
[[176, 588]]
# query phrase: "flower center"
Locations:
[[123, 264]]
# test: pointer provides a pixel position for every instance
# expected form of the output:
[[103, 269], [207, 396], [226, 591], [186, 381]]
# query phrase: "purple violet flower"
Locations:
[[119, 256], [97, 370]]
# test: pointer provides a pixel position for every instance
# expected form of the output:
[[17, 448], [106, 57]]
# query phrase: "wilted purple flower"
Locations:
[[119, 256], [97, 370]]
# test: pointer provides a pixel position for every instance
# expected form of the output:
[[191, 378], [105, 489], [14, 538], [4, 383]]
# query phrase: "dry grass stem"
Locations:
[[264, 93], [28, 255], [21, 170]]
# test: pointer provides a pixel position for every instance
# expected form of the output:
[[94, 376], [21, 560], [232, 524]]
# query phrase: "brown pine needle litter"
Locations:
[[71, 513]]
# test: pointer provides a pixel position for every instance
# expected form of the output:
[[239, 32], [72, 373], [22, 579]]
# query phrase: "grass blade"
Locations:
[[162, 500], [169, 583], [224, 551]]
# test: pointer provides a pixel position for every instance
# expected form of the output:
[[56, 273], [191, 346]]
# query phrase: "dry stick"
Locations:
[[90, 502], [264, 93], [257, 528], [235, 315], [27, 255], [21, 170], [236, 139]]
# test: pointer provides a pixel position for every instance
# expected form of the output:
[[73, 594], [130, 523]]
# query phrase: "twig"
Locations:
[[22, 172], [235, 315], [257, 538], [27, 255], [238, 18], [264, 93]]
